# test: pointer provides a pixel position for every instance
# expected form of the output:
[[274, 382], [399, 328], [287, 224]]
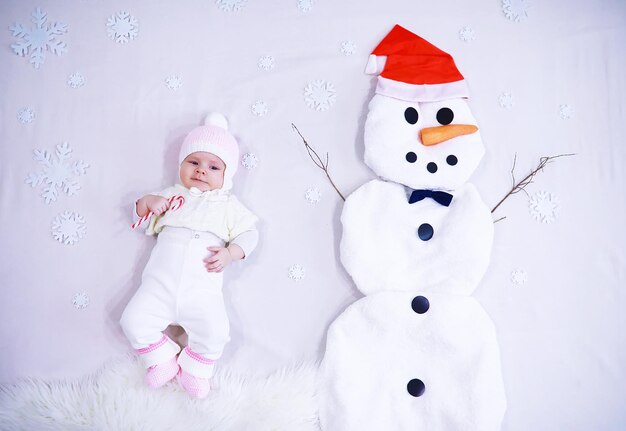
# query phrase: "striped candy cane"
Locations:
[[175, 203]]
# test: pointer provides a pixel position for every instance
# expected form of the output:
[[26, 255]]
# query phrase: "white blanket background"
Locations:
[[561, 333]]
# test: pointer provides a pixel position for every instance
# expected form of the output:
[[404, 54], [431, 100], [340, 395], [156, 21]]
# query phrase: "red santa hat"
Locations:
[[411, 68]]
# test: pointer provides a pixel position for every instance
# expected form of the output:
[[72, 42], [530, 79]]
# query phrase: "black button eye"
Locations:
[[410, 115], [445, 116]]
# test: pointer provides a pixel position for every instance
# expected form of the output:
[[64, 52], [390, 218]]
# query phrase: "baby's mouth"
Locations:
[[200, 180]]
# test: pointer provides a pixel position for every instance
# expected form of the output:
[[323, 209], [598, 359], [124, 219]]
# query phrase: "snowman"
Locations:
[[417, 352]]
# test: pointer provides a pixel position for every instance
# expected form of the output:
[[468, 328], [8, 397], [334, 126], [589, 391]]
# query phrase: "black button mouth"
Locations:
[[432, 167], [411, 157]]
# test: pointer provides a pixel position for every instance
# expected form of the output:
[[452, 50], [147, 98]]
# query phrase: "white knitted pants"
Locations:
[[177, 289]]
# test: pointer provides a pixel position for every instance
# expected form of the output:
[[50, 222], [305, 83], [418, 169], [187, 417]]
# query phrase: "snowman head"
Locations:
[[420, 131]]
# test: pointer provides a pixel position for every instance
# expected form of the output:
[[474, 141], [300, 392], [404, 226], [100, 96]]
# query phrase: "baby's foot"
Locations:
[[196, 387], [160, 374]]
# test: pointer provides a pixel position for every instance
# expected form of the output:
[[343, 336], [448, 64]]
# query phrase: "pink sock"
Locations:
[[196, 387], [160, 374]]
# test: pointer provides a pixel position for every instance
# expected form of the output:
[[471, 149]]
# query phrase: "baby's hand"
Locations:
[[157, 204], [219, 260]]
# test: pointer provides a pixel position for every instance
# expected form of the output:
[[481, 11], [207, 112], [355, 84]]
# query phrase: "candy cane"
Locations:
[[175, 203]]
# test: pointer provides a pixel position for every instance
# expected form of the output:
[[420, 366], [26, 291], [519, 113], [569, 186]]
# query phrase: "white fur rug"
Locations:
[[116, 398]]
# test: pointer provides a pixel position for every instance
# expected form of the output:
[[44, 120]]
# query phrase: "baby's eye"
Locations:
[[193, 162], [215, 168]]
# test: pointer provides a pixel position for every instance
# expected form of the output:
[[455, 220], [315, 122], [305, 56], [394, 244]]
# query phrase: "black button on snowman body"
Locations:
[[416, 387]]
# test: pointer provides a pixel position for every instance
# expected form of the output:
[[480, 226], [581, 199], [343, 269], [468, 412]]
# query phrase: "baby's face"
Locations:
[[202, 170]]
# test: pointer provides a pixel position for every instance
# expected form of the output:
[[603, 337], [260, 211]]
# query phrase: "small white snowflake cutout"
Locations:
[[348, 48], [231, 5], [566, 111], [259, 108], [38, 40], [320, 95], [173, 82], [68, 228], [267, 62], [25, 116], [519, 277], [313, 195], [80, 300], [506, 100], [516, 10], [249, 161], [544, 207], [76, 80], [305, 5], [122, 27], [57, 173], [467, 34], [296, 272]]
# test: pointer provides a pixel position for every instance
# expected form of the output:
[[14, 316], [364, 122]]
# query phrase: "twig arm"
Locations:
[[318, 160], [521, 185]]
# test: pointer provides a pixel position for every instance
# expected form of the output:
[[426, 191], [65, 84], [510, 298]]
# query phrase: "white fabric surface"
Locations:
[[379, 344], [177, 289], [561, 333], [381, 249]]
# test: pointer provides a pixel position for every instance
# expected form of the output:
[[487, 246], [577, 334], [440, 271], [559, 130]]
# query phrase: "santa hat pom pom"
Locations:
[[216, 119]]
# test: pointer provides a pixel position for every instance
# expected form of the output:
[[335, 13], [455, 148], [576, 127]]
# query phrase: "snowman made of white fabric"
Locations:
[[417, 352]]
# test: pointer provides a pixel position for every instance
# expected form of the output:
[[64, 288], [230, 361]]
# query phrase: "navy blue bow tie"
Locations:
[[442, 198]]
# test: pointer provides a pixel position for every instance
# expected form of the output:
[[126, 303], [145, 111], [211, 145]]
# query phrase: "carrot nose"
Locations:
[[439, 134]]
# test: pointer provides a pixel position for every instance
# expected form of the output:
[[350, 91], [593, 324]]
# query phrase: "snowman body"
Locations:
[[380, 346], [417, 325], [389, 244], [417, 352]]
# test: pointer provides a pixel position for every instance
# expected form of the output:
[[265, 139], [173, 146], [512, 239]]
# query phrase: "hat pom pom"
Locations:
[[216, 119]]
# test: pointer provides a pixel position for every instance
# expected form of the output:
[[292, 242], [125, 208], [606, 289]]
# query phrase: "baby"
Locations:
[[202, 234]]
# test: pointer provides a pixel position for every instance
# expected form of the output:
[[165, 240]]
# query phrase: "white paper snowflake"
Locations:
[[80, 300], [516, 10], [68, 228], [296, 272], [25, 116], [249, 161], [267, 62], [544, 206], [76, 80], [231, 5], [305, 5], [35, 42], [259, 108], [313, 195], [348, 48], [506, 100], [173, 82], [566, 111], [57, 173], [122, 27], [467, 34], [519, 277], [320, 95]]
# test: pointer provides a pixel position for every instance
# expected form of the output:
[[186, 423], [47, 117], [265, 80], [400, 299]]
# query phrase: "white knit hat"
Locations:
[[214, 138]]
